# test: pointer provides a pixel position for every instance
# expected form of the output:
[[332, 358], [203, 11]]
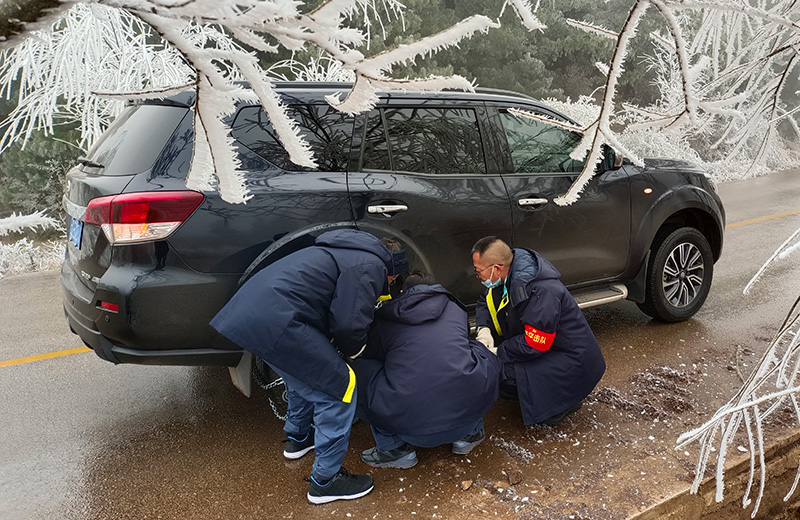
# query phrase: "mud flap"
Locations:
[[241, 374]]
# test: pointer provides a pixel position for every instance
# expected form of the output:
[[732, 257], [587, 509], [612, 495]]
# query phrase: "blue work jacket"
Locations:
[[299, 313], [432, 378], [544, 336]]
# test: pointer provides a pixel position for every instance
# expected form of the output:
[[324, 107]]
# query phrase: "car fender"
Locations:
[[289, 243], [685, 205], [304, 237]]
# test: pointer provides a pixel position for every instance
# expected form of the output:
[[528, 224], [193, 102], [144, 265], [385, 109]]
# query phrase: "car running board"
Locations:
[[593, 297]]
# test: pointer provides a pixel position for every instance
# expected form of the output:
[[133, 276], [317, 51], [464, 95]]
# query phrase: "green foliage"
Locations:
[[33, 179]]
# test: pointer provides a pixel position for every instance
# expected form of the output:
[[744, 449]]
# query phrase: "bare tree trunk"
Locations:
[[18, 18]]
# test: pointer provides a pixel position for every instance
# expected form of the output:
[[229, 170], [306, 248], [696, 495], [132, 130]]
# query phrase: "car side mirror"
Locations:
[[611, 159]]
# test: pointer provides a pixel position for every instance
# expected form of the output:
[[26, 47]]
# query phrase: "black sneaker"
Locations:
[[403, 457], [294, 448], [465, 445], [343, 486]]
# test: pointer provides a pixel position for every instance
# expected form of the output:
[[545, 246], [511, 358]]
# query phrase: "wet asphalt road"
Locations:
[[81, 438]]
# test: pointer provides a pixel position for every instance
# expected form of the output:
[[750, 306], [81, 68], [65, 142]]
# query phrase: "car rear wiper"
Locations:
[[88, 162]]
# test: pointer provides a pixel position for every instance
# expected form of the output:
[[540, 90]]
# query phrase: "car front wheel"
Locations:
[[678, 276]]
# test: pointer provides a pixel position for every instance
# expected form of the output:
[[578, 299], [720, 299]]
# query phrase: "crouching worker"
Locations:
[[298, 314], [551, 359], [432, 385]]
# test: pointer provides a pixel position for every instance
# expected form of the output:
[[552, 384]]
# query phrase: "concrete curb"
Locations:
[[782, 463]]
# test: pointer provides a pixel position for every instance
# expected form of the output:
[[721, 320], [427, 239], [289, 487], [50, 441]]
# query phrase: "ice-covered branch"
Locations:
[[772, 385], [779, 254], [545, 119], [599, 133], [525, 13], [592, 29], [370, 72], [19, 223]]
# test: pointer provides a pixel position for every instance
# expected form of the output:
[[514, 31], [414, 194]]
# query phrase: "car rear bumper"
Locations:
[[104, 331]]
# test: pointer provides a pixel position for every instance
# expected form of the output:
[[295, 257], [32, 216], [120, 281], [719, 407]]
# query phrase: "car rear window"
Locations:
[[327, 131], [133, 141], [424, 140]]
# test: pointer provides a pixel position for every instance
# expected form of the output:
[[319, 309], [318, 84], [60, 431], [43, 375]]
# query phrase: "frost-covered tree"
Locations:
[[735, 77], [216, 41]]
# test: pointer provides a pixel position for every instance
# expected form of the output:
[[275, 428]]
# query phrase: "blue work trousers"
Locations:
[[386, 441], [332, 419]]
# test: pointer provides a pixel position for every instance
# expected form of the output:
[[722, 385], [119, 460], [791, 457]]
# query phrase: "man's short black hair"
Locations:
[[418, 278], [482, 245], [493, 249]]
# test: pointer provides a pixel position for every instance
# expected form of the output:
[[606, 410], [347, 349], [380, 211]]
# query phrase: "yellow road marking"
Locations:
[[39, 357], [762, 219]]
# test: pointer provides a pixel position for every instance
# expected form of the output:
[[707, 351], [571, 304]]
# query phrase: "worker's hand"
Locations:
[[485, 337]]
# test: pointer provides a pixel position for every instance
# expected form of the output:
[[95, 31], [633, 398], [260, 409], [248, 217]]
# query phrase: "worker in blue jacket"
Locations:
[[551, 359], [301, 314], [430, 384]]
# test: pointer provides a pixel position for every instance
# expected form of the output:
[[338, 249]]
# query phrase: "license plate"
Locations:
[[76, 232]]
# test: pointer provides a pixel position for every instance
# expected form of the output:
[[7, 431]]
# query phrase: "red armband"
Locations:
[[538, 339]]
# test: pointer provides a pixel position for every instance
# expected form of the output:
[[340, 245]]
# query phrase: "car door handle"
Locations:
[[387, 208], [531, 202]]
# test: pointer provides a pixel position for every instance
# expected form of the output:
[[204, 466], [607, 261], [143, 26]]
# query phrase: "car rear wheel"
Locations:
[[679, 275], [270, 381]]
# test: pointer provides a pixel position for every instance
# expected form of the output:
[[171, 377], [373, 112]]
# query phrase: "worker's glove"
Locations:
[[485, 337]]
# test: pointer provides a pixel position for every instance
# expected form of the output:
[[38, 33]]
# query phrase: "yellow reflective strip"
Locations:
[[384, 297], [493, 311], [351, 386], [503, 302], [39, 357]]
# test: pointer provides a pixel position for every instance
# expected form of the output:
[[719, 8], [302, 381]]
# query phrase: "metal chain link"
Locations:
[[275, 411], [260, 381]]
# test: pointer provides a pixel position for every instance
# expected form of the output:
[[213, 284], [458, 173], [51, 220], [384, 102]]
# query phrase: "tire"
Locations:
[[679, 275], [272, 383]]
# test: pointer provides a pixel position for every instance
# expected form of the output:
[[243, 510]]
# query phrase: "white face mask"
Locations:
[[488, 283]]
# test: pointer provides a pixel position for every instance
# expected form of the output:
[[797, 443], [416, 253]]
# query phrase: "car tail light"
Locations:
[[141, 217]]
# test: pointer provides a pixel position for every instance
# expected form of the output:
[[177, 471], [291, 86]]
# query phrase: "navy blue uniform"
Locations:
[[433, 378], [289, 313], [298, 314], [548, 350]]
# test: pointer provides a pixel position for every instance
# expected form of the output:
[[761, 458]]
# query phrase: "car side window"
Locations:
[[423, 140], [327, 131], [539, 147]]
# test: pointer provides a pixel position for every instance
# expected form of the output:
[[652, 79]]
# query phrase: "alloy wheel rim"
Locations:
[[682, 279]]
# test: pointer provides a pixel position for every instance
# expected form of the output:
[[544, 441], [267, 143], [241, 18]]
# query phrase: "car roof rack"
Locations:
[[334, 85]]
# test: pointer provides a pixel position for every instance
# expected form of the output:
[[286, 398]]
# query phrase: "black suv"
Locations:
[[149, 263]]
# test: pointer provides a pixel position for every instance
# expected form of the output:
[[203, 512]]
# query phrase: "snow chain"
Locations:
[[260, 381]]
